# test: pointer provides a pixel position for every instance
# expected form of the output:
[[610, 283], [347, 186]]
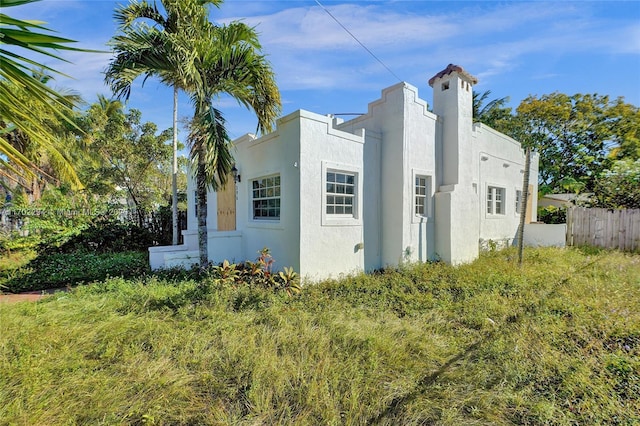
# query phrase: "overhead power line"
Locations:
[[359, 42]]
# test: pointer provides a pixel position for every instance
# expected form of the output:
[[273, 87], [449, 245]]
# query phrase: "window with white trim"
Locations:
[[340, 193], [518, 201], [266, 198], [422, 192], [495, 200]]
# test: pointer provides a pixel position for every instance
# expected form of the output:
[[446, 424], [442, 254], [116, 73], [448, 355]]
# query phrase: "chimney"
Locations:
[[453, 103]]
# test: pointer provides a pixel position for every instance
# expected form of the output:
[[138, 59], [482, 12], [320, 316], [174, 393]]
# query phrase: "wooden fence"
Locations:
[[606, 228]]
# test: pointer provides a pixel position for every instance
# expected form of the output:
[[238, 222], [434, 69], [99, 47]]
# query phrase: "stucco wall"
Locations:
[[457, 224], [501, 164], [275, 153], [419, 160], [400, 144], [545, 235], [395, 141], [329, 245]]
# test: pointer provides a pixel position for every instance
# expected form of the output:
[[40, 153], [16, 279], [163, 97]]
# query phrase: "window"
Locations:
[[340, 193], [495, 200], [518, 201], [422, 192], [266, 198]]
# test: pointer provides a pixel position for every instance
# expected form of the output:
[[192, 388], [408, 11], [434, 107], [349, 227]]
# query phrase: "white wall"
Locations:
[[501, 164], [400, 144], [275, 153], [457, 224], [419, 160], [545, 235], [329, 245]]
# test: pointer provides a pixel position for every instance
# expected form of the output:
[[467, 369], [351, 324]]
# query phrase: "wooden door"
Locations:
[[227, 206], [527, 216]]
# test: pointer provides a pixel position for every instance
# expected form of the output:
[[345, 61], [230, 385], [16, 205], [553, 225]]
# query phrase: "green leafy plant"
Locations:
[[107, 234], [57, 270], [290, 281], [552, 214], [258, 274], [619, 187], [225, 273]]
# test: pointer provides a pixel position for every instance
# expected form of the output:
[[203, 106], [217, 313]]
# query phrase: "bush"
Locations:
[[104, 235], [619, 187], [59, 270], [552, 214]]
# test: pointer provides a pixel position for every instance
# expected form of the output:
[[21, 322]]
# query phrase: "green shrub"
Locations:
[[258, 274], [552, 214], [104, 235], [59, 270]]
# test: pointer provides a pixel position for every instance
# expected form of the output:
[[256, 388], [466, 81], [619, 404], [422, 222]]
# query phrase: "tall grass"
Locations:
[[554, 342]]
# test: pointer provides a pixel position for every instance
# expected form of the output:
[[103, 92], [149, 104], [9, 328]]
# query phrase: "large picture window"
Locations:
[[340, 193], [495, 200], [266, 197]]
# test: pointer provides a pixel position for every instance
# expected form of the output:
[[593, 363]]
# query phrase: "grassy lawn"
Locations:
[[556, 342]]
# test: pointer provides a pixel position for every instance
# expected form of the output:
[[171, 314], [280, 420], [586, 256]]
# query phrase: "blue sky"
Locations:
[[516, 49]]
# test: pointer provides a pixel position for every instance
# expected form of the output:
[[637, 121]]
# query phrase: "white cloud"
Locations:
[[310, 50]]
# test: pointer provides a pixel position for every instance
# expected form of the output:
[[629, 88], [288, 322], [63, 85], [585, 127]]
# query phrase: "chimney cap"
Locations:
[[454, 68]]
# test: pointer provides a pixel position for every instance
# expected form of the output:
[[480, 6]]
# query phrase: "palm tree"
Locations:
[[228, 61], [48, 162], [492, 110], [206, 61], [20, 89], [144, 50]]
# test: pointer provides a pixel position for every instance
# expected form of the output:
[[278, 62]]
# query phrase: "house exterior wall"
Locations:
[[395, 142], [400, 145], [456, 200], [501, 164], [329, 244], [274, 154]]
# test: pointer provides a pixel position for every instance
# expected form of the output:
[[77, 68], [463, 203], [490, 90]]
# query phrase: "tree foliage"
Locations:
[[20, 89], [493, 113], [49, 163], [573, 135], [183, 48], [127, 154], [619, 186], [626, 121]]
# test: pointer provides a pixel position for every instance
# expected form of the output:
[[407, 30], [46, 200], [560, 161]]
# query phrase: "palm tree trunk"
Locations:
[[524, 200], [174, 170], [201, 195]]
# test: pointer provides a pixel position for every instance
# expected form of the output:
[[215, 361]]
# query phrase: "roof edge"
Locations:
[[451, 68]]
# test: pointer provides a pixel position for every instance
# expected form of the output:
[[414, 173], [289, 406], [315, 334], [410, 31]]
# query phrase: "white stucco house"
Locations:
[[397, 184]]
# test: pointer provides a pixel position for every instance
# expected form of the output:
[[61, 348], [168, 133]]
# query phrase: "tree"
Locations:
[[619, 186], [572, 134], [206, 61], [19, 89], [47, 163], [143, 50], [128, 154], [494, 113], [626, 140], [229, 61]]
